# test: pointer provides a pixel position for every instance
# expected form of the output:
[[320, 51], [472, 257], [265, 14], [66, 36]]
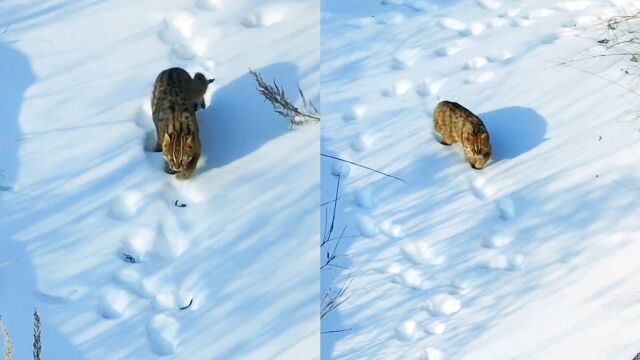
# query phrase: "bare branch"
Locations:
[[332, 301], [364, 167], [37, 344], [281, 105], [343, 330], [8, 347], [333, 216]]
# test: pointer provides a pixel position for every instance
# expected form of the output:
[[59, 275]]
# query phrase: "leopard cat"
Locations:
[[174, 101], [455, 124]]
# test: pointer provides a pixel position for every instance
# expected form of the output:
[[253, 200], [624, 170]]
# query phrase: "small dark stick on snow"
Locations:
[[129, 258], [187, 306], [179, 205]]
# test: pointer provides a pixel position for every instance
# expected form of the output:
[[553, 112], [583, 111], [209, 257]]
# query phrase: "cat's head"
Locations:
[[477, 149], [201, 82], [178, 151]]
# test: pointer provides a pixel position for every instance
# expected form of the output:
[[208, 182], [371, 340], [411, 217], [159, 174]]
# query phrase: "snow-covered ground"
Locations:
[[534, 257], [79, 191]]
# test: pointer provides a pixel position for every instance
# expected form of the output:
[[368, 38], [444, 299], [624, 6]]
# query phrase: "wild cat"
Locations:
[[457, 124], [174, 101]]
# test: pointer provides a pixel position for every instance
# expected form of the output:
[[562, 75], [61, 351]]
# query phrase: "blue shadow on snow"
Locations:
[[514, 131], [239, 120]]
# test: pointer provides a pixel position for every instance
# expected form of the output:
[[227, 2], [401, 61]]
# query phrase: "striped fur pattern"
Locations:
[[456, 124], [174, 101]]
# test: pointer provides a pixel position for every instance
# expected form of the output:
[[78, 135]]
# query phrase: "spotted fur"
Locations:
[[456, 124], [174, 101]]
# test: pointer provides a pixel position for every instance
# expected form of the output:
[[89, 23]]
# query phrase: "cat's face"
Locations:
[[178, 151], [477, 149]]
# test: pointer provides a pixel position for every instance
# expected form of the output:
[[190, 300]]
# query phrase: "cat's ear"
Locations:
[[188, 139], [166, 139]]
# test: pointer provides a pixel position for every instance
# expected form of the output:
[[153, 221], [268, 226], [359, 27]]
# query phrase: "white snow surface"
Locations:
[[79, 190], [538, 252]]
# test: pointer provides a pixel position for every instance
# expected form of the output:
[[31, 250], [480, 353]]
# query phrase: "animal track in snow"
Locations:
[[480, 77], [355, 113], [367, 227], [177, 28], [449, 49], [360, 22], [362, 142], [453, 24], [209, 4], [474, 29], [151, 285], [113, 303], [390, 229], [443, 305], [341, 168], [138, 243], [521, 22], [208, 66], [573, 5], [365, 198], [489, 4], [507, 208], [398, 89], [476, 63], [177, 32], [407, 330], [410, 278], [512, 12], [268, 16], [498, 239], [436, 327], [165, 301], [390, 18], [189, 191], [170, 299], [162, 330], [497, 22], [480, 188], [504, 262], [465, 282], [428, 87], [405, 59], [419, 252], [131, 279], [432, 353], [539, 13], [126, 205], [500, 56], [171, 241], [191, 49]]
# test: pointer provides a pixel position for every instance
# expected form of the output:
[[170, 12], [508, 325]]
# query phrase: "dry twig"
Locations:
[[8, 347], [37, 344], [281, 105]]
